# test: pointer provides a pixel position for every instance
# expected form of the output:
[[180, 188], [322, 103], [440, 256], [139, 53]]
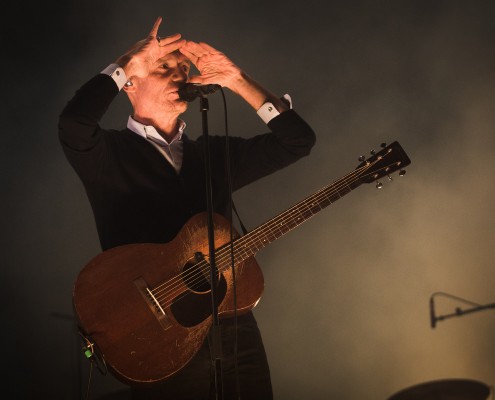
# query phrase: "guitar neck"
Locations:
[[388, 160], [260, 237]]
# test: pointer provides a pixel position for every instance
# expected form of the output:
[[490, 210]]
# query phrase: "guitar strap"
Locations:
[[244, 230]]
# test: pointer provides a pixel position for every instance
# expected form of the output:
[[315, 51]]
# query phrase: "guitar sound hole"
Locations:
[[196, 274], [193, 307]]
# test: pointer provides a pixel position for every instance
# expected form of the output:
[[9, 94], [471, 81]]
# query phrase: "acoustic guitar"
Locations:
[[145, 309]]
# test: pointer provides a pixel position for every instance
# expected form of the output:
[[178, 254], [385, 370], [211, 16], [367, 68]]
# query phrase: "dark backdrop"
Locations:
[[345, 310]]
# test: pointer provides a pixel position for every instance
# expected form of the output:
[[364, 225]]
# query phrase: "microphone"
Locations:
[[433, 318], [190, 91]]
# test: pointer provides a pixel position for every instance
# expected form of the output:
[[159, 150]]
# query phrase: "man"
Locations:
[[145, 182]]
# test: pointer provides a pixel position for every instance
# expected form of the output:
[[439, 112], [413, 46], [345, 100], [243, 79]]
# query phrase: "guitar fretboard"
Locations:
[[260, 237]]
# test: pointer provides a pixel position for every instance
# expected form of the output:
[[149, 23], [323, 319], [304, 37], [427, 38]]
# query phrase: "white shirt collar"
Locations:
[[148, 131]]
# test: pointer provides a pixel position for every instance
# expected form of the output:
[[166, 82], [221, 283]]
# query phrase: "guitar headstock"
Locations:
[[383, 163]]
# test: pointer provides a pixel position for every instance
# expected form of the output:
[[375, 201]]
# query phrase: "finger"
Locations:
[[209, 48], [188, 54], [195, 48], [206, 79], [154, 30], [163, 41], [171, 47]]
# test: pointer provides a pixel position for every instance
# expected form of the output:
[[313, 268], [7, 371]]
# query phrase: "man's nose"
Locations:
[[179, 75]]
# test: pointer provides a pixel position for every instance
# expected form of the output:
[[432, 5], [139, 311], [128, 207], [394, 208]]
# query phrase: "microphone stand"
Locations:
[[215, 334], [458, 312]]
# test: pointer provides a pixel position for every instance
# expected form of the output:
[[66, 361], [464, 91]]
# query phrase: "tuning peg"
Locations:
[[383, 145], [402, 172], [379, 185], [390, 178], [361, 158]]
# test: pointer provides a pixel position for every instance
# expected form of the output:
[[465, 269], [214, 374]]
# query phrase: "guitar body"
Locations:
[[139, 306]]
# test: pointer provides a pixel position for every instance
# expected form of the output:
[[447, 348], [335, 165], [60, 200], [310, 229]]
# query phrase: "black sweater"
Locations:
[[135, 194]]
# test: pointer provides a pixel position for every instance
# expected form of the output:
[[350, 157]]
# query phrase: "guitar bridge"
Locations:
[[152, 303], [155, 301]]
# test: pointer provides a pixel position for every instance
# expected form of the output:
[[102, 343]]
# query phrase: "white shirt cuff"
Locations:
[[268, 111], [117, 74]]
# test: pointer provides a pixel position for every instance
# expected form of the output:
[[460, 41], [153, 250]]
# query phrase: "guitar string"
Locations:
[[169, 298], [158, 291], [161, 298], [194, 277]]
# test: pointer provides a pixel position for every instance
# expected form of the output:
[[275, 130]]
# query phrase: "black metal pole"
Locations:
[[215, 334]]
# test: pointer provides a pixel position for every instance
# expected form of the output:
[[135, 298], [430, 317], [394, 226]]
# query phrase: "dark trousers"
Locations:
[[196, 380]]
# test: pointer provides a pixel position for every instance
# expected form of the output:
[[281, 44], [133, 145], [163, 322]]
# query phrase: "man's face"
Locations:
[[158, 92]]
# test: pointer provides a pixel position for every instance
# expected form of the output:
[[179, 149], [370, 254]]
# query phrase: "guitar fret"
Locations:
[[282, 227], [272, 236], [343, 192], [314, 208]]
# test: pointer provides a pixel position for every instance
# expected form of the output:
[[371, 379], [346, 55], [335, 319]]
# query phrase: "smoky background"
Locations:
[[345, 309]]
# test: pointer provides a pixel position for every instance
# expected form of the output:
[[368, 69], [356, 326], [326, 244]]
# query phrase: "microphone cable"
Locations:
[[232, 257]]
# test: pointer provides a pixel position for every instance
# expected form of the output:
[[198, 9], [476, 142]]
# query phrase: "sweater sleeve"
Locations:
[[78, 122], [290, 139], [81, 137]]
